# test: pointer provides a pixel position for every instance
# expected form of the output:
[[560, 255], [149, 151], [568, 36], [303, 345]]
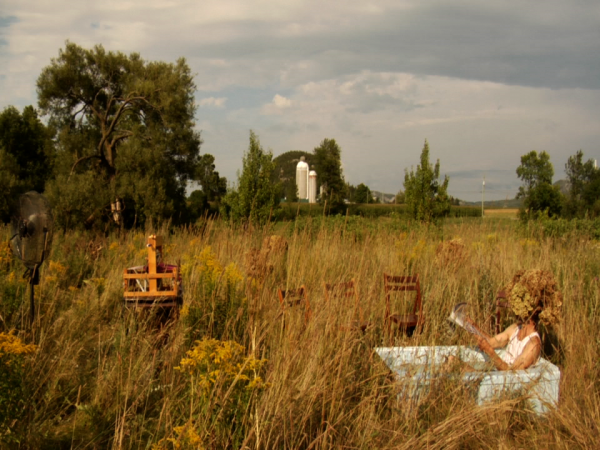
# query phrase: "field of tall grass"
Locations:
[[233, 371]]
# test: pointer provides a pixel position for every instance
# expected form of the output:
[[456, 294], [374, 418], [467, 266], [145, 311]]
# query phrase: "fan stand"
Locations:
[[33, 281]]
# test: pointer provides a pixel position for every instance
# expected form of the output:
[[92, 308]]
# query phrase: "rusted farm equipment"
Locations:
[[155, 285]]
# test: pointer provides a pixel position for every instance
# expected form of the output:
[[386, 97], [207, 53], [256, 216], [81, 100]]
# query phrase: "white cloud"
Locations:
[[278, 104], [212, 101]]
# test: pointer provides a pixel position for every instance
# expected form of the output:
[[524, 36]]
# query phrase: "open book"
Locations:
[[459, 317]]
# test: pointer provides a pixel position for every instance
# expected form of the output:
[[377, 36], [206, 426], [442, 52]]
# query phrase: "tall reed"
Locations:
[[103, 376]]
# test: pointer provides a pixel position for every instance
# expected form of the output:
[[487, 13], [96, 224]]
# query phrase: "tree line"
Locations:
[[119, 147]]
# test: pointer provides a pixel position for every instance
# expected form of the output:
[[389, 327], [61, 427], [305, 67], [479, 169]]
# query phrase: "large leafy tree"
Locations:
[[362, 194], [425, 196], [126, 127], [26, 155], [584, 187], [328, 165], [212, 188], [538, 193], [256, 196], [213, 185]]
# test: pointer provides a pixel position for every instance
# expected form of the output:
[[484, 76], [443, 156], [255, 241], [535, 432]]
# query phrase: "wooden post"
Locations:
[[154, 247]]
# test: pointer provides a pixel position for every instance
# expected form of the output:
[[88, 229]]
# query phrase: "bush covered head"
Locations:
[[532, 292]]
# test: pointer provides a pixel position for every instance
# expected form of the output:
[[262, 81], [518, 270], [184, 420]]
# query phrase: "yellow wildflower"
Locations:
[[212, 361], [185, 310], [492, 238], [6, 255], [209, 264], [528, 243], [11, 345], [233, 274], [56, 267]]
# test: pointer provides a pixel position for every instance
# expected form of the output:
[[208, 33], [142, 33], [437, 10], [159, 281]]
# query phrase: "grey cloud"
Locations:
[[478, 174], [469, 40], [6, 21]]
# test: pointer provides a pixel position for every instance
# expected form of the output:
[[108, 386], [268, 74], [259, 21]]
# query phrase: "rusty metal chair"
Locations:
[[403, 322], [347, 290], [291, 298]]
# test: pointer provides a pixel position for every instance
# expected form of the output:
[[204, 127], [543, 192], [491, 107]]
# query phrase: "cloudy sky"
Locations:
[[483, 81]]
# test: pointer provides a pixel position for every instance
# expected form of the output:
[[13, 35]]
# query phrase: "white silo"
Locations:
[[302, 179], [312, 187]]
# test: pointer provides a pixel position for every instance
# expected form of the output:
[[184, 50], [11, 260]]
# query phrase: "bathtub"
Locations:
[[417, 367]]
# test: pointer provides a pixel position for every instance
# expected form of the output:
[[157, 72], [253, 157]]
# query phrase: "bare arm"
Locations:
[[488, 350], [501, 340], [529, 355]]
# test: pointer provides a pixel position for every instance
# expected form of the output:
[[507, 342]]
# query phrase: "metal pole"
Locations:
[[31, 303], [482, 192]]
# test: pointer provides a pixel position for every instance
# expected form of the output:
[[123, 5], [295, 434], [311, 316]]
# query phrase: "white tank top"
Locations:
[[515, 347]]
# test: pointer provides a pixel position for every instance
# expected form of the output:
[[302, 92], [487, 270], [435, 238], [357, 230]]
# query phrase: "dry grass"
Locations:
[[505, 213], [105, 377]]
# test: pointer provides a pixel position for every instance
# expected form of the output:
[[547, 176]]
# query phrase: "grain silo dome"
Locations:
[[302, 179]]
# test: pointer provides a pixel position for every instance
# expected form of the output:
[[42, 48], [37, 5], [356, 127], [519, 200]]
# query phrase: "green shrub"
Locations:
[[12, 395]]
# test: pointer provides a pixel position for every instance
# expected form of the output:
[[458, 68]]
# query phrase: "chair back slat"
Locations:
[[346, 289], [403, 283], [288, 298], [402, 288]]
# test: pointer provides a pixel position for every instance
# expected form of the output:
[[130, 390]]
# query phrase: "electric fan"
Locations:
[[31, 237]]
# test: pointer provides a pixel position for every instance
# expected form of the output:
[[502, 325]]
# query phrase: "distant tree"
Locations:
[[363, 194], [537, 191], [10, 184], [400, 197], [583, 198], [291, 192], [328, 165], [126, 126], [198, 205], [426, 198], [256, 196], [26, 155], [213, 186], [349, 192], [29, 141]]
